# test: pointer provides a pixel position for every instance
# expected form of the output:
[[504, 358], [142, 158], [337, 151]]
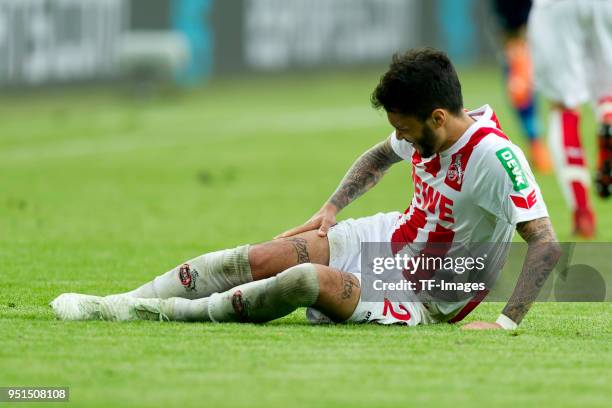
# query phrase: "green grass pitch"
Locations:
[[100, 193]]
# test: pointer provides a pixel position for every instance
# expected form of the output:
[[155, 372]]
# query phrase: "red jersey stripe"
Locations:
[[459, 160], [407, 232]]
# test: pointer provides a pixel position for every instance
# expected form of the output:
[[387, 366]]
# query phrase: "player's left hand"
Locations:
[[322, 221], [480, 326]]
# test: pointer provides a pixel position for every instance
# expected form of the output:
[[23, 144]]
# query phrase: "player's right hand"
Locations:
[[323, 220]]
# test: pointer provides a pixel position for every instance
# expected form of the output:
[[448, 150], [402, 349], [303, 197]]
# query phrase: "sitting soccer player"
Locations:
[[471, 184]]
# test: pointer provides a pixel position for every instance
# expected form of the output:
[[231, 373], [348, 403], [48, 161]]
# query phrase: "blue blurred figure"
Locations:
[[190, 17]]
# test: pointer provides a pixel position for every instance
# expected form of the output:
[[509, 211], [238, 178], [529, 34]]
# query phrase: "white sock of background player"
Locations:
[[569, 158]]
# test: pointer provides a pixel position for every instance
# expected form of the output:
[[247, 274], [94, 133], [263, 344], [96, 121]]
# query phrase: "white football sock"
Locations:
[[200, 277], [259, 301]]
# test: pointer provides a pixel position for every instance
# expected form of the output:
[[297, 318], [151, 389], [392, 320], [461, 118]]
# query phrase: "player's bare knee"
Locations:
[[259, 256], [279, 254], [332, 279], [339, 293], [270, 258]]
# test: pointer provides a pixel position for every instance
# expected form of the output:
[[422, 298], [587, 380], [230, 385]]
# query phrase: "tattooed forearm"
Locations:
[[364, 174], [542, 255], [301, 249]]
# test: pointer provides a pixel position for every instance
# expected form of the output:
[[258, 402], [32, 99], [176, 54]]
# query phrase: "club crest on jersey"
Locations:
[[188, 277], [513, 168], [455, 173]]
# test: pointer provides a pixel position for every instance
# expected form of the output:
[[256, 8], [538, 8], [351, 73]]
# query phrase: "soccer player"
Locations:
[[571, 42], [471, 185], [512, 16]]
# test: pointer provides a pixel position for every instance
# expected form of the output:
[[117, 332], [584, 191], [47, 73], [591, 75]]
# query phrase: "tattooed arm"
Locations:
[[542, 255], [367, 170]]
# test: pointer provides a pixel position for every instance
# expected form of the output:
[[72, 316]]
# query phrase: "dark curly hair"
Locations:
[[418, 82]]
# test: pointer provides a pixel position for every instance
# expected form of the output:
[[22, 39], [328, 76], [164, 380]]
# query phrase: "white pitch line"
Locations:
[[289, 123]]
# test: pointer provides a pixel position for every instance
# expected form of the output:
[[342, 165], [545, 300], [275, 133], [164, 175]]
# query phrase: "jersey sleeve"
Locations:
[[505, 186], [402, 148]]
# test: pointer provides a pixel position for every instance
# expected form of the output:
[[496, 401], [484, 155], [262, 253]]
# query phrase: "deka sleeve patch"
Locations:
[[513, 168]]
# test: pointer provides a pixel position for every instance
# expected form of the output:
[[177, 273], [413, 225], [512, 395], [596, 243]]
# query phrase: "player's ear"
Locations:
[[438, 118]]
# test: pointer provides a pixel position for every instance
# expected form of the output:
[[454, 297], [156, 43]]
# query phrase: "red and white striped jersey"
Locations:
[[475, 191]]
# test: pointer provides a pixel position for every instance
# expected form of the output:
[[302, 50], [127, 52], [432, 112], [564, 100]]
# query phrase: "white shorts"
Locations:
[[345, 240], [571, 49]]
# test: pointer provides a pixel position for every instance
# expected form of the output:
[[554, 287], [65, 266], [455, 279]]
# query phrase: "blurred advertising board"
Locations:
[[44, 41], [61, 41]]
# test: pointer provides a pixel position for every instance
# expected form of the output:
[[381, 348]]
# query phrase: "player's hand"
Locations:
[[481, 326], [323, 220]]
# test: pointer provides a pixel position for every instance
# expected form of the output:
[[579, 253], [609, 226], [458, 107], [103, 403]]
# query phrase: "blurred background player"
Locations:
[[571, 43], [512, 17]]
